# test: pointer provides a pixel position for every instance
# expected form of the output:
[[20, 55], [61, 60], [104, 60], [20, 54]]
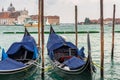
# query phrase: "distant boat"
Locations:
[[31, 24], [109, 24], [67, 61], [19, 62], [18, 23], [46, 22], [28, 22]]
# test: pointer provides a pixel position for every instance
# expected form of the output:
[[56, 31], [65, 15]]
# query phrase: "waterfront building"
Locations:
[[23, 15], [11, 8], [5, 19], [117, 20], [54, 20], [108, 21], [94, 21], [11, 16]]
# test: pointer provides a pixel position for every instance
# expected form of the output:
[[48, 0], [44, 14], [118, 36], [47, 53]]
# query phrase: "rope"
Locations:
[[97, 65], [48, 68], [39, 65]]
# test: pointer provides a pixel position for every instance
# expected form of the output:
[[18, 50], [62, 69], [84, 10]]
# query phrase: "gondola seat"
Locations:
[[64, 58]]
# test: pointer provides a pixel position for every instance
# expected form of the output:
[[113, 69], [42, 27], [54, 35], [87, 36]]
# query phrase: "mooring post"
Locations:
[[76, 32], [102, 40], [113, 28], [39, 25], [42, 35]]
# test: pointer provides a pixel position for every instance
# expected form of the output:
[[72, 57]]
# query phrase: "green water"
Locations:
[[111, 69]]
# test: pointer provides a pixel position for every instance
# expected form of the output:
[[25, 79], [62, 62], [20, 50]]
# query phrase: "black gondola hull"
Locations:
[[83, 73], [19, 74], [21, 59], [67, 60]]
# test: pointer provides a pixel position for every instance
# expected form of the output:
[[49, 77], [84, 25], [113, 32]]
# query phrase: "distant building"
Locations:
[[34, 17], [12, 16], [23, 15], [117, 20], [5, 18], [94, 21], [54, 20], [11, 8], [106, 21]]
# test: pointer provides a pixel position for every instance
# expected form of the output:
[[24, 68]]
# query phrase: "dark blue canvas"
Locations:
[[55, 41], [9, 64], [81, 52], [17, 45], [74, 62], [27, 43], [35, 55], [4, 55]]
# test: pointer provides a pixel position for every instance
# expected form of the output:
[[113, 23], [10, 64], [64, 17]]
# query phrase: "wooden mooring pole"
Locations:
[[76, 32], [102, 40], [42, 35], [39, 25], [113, 26]]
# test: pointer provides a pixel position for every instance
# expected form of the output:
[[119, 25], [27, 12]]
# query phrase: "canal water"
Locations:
[[10, 34]]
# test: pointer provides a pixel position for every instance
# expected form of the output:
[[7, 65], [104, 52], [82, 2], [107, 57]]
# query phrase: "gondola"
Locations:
[[20, 60], [67, 60]]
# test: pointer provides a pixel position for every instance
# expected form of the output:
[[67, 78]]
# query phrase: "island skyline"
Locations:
[[65, 9]]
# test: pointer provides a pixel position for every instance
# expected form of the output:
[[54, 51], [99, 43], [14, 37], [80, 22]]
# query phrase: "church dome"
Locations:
[[11, 8]]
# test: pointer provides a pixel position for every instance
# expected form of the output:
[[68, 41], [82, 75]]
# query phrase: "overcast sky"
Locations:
[[65, 8]]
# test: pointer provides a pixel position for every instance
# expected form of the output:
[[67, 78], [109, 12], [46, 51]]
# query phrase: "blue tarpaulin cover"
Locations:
[[27, 42], [55, 41], [74, 63], [81, 52], [4, 55], [9, 64], [17, 45]]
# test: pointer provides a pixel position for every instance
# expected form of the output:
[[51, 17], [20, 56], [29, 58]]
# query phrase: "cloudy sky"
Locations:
[[65, 8]]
